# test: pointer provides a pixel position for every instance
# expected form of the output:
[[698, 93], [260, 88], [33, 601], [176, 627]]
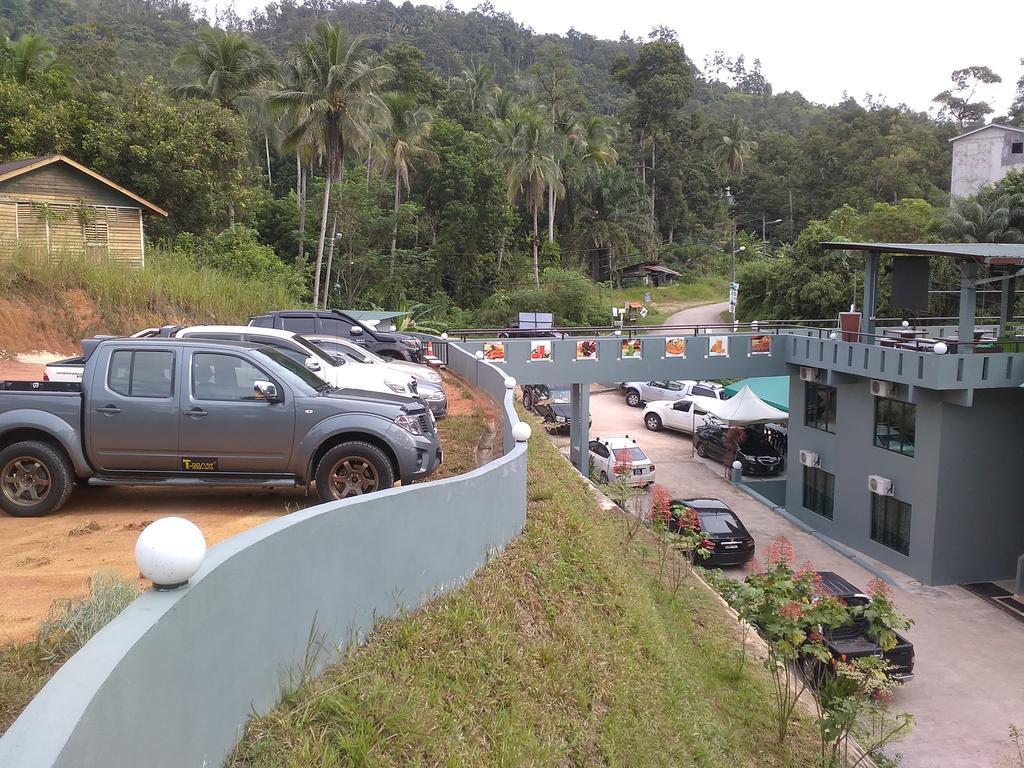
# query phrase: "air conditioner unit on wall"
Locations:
[[810, 459], [882, 486], [808, 374], [882, 388]]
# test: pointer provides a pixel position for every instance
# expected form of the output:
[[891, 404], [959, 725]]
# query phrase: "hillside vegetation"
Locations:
[[562, 651]]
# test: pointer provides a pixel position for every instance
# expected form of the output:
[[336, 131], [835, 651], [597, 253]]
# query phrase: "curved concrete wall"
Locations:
[[172, 681]]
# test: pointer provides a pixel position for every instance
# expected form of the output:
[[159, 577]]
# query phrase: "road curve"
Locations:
[[705, 314]]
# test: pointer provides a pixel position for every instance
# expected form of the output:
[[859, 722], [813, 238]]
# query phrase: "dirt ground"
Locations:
[[43, 559]]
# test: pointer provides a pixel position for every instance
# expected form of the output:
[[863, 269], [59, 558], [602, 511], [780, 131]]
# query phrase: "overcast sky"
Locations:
[[902, 49]]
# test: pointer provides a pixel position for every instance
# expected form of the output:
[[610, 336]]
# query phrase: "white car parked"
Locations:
[[344, 375], [681, 415], [640, 392], [607, 453]]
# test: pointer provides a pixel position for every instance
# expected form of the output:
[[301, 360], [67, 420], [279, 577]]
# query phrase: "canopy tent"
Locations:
[[773, 390], [743, 408]]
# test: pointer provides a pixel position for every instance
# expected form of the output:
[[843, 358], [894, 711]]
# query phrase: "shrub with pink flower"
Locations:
[[879, 590], [792, 611], [780, 552], [660, 505]]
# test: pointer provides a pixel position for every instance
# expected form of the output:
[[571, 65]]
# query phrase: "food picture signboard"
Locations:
[[494, 351], [675, 346], [631, 349], [760, 345], [540, 350], [718, 346], [586, 350]]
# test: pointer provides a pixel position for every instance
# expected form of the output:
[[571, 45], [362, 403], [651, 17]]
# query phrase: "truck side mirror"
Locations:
[[312, 364], [265, 390], [338, 359], [355, 330]]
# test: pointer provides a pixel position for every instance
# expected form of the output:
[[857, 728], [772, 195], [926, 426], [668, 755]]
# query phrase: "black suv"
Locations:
[[332, 322], [755, 454]]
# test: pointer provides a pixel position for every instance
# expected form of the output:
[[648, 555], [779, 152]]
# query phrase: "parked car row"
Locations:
[[205, 406]]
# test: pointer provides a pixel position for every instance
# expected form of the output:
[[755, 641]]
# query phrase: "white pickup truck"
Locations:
[[640, 392], [329, 369]]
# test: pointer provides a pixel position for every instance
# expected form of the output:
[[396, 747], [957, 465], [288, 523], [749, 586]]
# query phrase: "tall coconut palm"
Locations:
[[226, 66], [616, 219], [30, 55], [473, 85], [331, 102], [501, 103], [734, 149], [529, 151], [404, 133]]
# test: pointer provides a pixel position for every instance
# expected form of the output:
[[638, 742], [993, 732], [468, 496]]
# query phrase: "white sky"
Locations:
[[902, 49]]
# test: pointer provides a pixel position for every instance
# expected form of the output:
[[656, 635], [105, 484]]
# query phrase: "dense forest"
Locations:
[[466, 167]]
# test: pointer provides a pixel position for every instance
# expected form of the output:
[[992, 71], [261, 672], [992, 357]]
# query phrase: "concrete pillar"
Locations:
[[870, 294], [968, 305], [579, 428], [1007, 300], [1019, 589]]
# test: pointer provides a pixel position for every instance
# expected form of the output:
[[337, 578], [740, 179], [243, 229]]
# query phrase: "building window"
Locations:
[[894, 425], [820, 407], [890, 523], [1017, 148], [819, 491]]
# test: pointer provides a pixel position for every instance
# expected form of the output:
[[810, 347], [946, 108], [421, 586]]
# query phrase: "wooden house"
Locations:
[[54, 206]]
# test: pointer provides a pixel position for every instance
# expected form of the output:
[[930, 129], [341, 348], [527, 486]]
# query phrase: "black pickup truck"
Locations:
[[334, 322], [852, 642], [174, 412]]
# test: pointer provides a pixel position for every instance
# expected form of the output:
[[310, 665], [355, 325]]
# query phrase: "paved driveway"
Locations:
[[969, 683]]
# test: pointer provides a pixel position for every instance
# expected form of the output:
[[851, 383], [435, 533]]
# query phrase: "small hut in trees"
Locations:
[[53, 206]]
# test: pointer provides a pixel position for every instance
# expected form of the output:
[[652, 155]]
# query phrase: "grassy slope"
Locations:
[[169, 289], [673, 298], [562, 651]]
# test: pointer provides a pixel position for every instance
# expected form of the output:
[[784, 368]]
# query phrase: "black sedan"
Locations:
[[553, 404], [755, 454], [725, 535]]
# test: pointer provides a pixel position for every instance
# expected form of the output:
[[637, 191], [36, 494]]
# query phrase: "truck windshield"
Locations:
[[299, 371], [313, 350]]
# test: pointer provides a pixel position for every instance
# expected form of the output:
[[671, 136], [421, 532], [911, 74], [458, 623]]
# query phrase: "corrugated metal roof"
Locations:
[[16, 164], [990, 125], [990, 253]]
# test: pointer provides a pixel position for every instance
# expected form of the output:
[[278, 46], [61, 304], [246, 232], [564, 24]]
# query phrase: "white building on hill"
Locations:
[[984, 156]]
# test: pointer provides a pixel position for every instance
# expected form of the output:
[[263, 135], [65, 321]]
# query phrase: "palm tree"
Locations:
[[30, 55], [734, 149], [987, 218], [616, 219], [472, 86], [529, 151], [330, 103], [225, 66], [406, 128], [501, 104]]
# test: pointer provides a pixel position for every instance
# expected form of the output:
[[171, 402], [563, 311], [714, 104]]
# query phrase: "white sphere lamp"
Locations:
[[510, 382], [833, 335], [521, 431], [736, 465], [940, 348], [618, 332], [170, 551], [445, 336], [479, 355], [905, 323]]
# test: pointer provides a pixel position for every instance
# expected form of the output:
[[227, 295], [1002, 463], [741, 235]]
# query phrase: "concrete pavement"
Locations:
[[969, 676], [706, 314]]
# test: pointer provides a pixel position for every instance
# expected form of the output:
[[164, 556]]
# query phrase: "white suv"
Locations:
[[607, 453]]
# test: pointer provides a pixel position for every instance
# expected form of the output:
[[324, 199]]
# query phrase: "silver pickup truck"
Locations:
[[187, 412]]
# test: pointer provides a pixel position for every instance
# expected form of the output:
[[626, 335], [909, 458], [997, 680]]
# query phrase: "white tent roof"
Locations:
[[742, 408]]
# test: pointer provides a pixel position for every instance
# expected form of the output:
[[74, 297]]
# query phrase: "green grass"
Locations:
[[26, 667], [170, 288], [562, 651], [670, 299]]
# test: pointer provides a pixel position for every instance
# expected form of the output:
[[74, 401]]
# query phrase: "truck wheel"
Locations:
[[632, 398], [527, 400], [352, 469], [653, 422], [35, 479], [701, 450]]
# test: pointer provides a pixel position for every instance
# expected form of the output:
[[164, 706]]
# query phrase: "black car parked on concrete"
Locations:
[[731, 543], [333, 322], [755, 454]]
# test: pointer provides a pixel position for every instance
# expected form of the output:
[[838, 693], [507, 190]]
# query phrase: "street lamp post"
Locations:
[[764, 234]]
